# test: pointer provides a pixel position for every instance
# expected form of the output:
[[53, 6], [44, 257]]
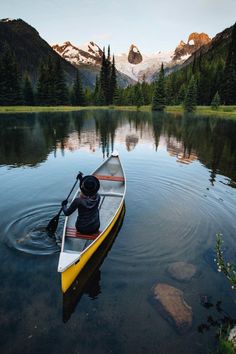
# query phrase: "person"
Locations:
[[87, 204]]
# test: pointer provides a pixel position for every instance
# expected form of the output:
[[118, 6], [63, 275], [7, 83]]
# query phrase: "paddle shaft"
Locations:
[[68, 196], [53, 223]]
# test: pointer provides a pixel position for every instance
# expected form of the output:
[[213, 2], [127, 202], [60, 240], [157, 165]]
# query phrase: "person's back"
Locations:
[[87, 204]]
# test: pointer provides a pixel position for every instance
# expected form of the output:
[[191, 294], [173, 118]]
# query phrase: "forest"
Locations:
[[210, 79]]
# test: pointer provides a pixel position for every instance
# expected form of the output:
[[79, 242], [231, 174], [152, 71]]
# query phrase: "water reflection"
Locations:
[[88, 281], [27, 140]]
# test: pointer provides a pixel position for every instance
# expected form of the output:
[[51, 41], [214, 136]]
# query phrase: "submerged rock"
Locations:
[[182, 271], [173, 306]]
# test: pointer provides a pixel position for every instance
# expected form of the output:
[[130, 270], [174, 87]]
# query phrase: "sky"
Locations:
[[153, 25]]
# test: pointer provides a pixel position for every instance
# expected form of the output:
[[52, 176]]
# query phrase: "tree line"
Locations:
[[51, 88], [209, 79]]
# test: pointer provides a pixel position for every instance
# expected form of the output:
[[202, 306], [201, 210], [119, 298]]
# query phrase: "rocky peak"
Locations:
[[195, 41], [134, 56], [90, 53], [198, 39]]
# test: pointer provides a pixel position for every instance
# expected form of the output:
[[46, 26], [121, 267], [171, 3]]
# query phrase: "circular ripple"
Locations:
[[27, 232]]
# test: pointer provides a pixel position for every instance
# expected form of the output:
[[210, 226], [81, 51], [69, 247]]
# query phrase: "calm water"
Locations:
[[181, 179]]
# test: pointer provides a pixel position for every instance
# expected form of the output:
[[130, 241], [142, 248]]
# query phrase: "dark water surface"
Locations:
[[181, 179]]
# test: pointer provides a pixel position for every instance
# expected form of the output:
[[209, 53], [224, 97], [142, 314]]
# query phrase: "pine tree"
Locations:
[[159, 99], [228, 89], [113, 81], [138, 96], [96, 92], [27, 91], [60, 88], [46, 84], [78, 97], [216, 101], [190, 101], [105, 75], [10, 93]]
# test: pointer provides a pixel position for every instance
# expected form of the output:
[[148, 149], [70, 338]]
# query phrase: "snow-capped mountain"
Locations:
[[89, 53], [146, 68], [138, 66]]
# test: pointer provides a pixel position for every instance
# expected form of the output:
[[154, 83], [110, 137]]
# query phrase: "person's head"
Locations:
[[89, 185]]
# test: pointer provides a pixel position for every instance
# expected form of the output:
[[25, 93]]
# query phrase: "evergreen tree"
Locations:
[[113, 81], [216, 101], [50, 83], [105, 75], [159, 99], [117, 97], [27, 91], [138, 96], [190, 101], [46, 84], [60, 88], [182, 93], [78, 97], [228, 90], [88, 96], [10, 92], [96, 92]]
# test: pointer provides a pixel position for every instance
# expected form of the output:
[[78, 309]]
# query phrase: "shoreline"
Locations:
[[223, 111]]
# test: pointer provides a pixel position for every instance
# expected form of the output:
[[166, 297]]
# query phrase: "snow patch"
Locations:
[[185, 57]]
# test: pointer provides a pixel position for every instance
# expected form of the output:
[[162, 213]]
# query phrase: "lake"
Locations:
[[181, 191]]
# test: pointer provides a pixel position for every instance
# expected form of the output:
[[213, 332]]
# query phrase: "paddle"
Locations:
[[53, 223]]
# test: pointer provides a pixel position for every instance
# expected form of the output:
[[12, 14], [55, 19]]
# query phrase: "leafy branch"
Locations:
[[225, 267]]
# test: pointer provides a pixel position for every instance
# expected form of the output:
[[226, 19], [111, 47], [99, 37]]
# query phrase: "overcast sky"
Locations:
[[152, 25]]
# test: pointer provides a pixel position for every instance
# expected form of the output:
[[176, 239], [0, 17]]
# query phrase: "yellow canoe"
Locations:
[[76, 248]]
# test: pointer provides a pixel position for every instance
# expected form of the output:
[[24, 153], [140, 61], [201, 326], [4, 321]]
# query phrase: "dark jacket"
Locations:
[[88, 214]]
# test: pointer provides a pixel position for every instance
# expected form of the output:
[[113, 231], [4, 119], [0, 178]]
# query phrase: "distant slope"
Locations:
[[29, 48], [88, 60], [207, 65]]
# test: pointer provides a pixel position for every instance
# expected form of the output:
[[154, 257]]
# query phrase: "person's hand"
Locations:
[[79, 176], [64, 203]]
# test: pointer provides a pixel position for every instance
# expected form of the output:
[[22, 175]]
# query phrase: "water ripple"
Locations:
[[27, 232]]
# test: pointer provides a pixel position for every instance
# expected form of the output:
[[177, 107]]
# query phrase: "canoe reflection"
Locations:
[[88, 281]]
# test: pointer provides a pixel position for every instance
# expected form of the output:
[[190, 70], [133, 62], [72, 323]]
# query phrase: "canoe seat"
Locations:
[[110, 178], [72, 232]]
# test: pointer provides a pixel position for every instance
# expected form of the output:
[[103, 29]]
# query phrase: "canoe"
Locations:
[[88, 280], [76, 248]]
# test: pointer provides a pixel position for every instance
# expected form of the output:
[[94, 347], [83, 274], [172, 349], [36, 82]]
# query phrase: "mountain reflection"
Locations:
[[27, 140]]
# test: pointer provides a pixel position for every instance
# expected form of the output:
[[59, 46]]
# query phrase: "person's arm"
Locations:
[[72, 207]]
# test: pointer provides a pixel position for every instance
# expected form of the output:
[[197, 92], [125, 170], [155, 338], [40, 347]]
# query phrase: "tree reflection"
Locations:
[[28, 139]]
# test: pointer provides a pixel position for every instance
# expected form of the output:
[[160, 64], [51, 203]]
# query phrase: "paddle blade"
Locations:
[[52, 225]]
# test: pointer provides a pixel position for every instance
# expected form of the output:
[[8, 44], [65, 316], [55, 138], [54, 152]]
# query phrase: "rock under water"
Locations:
[[182, 271], [173, 306]]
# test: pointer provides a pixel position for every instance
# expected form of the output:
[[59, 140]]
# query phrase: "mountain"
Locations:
[[88, 57], [146, 67], [29, 48], [195, 41], [89, 54], [212, 69]]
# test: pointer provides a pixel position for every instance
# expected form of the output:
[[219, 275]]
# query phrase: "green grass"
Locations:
[[222, 111]]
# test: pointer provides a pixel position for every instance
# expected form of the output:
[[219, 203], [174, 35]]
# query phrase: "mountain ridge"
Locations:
[[136, 65]]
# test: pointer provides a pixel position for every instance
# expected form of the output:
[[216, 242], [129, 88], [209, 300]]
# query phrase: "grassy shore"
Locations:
[[223, 111]]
